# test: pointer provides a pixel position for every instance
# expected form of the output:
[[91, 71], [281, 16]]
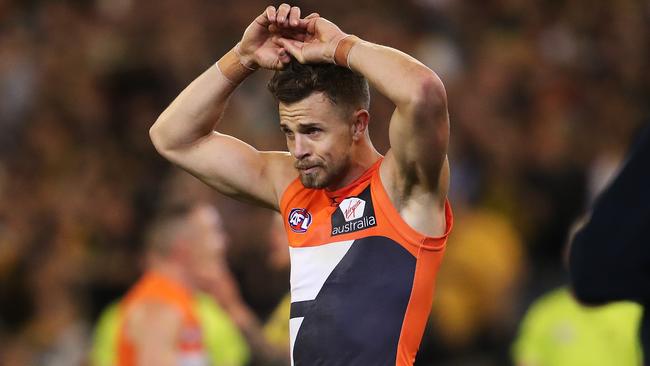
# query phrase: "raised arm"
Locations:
[[185, 132], [419, 127]]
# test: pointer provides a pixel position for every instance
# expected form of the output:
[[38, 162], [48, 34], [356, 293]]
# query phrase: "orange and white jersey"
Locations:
[[362, 280], [155, 287]]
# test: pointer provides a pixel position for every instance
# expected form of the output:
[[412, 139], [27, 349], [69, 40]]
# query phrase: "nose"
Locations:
[[301, 147]]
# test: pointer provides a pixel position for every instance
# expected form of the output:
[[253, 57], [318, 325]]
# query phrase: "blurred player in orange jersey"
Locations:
[[160, 319], [159, 325]]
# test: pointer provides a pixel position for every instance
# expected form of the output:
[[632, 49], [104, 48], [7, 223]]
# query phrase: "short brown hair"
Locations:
[[166, 228], [342, 86]]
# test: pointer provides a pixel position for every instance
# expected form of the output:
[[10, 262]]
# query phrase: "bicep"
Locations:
[[236, 169]]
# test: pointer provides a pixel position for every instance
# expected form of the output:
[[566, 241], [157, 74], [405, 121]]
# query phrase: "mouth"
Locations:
[[309, 170], [307, 167]]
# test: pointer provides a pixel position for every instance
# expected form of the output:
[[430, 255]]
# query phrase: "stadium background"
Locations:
[[544, 96]]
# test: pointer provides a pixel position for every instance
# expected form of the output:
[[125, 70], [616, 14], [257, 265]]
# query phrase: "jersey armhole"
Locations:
[[412, 236], [288, 194]]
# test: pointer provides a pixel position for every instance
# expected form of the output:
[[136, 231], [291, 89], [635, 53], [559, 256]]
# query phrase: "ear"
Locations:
[[360, 121]]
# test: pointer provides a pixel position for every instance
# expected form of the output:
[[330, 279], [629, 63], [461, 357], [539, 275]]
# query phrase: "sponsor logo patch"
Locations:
[[299, 220], [352, 208], [354, 214]]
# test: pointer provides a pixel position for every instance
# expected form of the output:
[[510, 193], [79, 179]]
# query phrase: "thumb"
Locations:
[[294, 48], [305, 21]]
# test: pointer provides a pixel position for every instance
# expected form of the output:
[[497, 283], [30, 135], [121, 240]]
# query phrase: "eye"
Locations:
[[313, 130], [287, 132]]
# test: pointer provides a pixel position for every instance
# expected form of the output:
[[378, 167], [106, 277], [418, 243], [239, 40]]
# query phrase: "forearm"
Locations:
[[400, 77], [197, 109], [226, 293], [230, 300]]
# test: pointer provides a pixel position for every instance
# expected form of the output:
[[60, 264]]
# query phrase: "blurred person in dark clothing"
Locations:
[[610, 256], [347, 209]]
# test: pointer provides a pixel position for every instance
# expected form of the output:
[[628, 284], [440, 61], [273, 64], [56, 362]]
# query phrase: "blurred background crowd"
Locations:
[[545, 97]]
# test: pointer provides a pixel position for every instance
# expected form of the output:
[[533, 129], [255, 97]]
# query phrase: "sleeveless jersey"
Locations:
[[362, 280], [154, 287]]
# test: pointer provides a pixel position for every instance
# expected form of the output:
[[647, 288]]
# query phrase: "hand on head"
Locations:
[[277, 33]]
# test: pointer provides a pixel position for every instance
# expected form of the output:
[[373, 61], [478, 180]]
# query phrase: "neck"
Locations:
[[362, 157]]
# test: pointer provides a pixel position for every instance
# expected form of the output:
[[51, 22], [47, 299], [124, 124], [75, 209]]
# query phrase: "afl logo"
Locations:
[[299, 220]]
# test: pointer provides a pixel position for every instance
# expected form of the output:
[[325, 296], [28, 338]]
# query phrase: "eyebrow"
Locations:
[[303, 126]]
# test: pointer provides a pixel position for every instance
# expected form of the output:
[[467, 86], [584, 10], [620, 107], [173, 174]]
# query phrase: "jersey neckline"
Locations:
[[365, 176]]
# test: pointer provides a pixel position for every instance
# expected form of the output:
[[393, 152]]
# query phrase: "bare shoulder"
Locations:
[[421, 207], [152, 318], [279, 168]]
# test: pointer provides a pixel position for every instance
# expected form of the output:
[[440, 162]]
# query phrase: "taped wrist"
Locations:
[[232, 68], [342, 53]]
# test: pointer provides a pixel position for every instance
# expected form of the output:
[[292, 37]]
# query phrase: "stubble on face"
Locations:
[[313, 174], [324, 175]]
